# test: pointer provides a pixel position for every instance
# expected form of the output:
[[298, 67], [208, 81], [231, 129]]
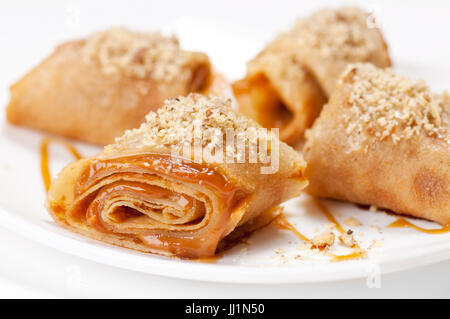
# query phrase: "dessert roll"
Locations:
[[289, 81], [178, 184], [383, 140], [95, 89]]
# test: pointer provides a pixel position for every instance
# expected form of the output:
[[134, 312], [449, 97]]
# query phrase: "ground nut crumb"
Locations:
[[323, 240], [195, 121], [143, 55], [347, 239], [388, 106]]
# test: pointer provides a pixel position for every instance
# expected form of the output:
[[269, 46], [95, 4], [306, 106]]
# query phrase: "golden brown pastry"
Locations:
[[289, 81], [151, 191], [383, 140], [95, 89]]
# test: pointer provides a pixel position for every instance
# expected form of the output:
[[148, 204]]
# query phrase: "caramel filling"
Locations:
[[259, 100], [138, 197]]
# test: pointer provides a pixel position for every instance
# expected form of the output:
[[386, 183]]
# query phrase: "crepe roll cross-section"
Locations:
[[143, 193], [383, 140], [290, 80], [95, 89]]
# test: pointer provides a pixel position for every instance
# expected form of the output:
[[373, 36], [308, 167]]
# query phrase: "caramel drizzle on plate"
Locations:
[[403, 223], [45, 171], [358, 254], [328, 215], [283, 223]]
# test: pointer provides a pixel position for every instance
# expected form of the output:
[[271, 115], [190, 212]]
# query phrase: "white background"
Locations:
[[418, 31]]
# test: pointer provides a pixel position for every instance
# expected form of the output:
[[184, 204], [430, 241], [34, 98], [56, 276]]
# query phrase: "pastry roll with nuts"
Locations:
[[383, 140], [289, 81], [180, 183], [95, 89]]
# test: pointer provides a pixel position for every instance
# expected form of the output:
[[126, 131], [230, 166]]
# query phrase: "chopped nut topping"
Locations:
[[385, 105], [341, 33], [139, 54], [180, 121], [323, 240], [347, 239], [352, 221]]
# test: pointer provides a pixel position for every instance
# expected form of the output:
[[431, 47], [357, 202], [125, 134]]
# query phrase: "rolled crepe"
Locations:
[[145, 194], [383, 140], [95, 89], [289, 81]]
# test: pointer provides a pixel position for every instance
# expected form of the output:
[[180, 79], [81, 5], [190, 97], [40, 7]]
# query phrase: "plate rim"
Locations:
[[170, 267]]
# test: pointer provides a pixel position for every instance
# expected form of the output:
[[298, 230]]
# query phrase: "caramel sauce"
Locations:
[[283, 223], [123, 213], [358, 254], [45, 171], [328, 215], [404, 223], [210, 260], [190, 244], [259, 100]]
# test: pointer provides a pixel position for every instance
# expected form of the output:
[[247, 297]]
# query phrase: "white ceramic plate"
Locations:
[[272, 255]]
